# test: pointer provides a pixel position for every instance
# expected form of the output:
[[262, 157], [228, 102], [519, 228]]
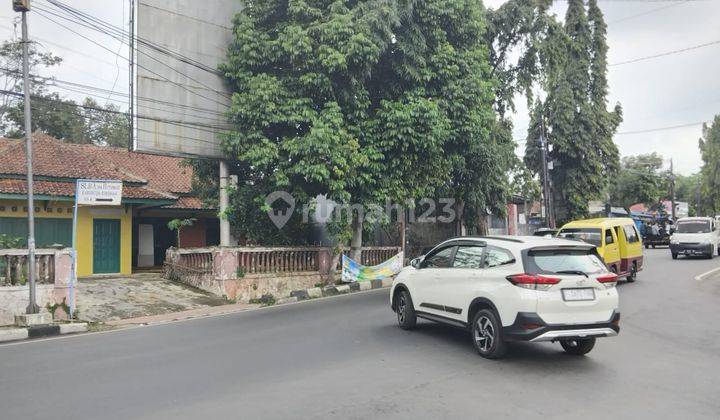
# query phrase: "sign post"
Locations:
[[90, 192]]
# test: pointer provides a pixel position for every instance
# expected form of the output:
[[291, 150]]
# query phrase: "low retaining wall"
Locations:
[[246, 273], [53, 293]]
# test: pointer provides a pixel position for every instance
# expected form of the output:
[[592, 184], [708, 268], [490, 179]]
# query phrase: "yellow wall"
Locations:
[[84, 228]]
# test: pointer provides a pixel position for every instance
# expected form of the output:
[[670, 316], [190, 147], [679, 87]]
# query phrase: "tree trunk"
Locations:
[[356, 241], [482, 225]]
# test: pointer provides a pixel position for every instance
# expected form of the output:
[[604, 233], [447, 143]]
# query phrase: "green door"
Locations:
[[106, 246]]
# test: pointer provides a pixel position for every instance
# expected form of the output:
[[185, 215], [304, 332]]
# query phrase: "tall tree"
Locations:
[[365, 101], [640, 180], [688, 189], [52, 114], [573, 117], [710, 172]]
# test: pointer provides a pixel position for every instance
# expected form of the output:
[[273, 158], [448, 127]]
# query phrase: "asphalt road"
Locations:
[[345, 358]]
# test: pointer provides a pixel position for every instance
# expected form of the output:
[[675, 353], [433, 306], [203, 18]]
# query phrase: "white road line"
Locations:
[[706, 274]]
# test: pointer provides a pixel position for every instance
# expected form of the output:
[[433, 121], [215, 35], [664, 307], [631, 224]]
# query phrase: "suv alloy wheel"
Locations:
[[405, 311], [486, 334]]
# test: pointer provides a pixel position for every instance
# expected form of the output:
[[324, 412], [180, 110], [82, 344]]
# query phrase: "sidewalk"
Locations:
[[140, 295], [177, 316]]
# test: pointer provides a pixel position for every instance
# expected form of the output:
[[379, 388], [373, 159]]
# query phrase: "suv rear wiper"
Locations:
[[572, 272]]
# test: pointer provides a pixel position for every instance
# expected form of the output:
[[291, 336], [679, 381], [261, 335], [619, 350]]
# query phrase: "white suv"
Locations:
[[511, 288]]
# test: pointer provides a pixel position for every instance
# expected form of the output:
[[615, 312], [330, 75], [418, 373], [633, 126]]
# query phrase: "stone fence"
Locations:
[[53, 268], [245, 273]]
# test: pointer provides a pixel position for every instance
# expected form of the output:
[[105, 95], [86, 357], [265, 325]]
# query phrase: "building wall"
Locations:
[[86, 215]]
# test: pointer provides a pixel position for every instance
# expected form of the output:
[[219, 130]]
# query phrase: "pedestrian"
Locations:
[[655, 229]]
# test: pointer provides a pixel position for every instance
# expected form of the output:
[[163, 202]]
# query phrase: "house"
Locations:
[[156, 189]]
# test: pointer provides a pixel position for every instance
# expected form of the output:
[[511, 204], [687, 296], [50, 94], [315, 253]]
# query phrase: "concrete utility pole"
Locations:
[[23, 6], [697, 198], [224, 200], [547, 199], [131, 70], [672, 190]]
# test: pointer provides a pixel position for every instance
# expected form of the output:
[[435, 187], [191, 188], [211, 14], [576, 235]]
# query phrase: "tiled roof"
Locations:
[[149, 176], [162, 172], [187, 203], [53, 158], [67, 189]]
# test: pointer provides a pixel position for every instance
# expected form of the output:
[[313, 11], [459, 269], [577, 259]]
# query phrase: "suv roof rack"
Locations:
[[502, 238]]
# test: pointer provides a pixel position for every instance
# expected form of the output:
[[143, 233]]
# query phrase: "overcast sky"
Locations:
[[673, 90]]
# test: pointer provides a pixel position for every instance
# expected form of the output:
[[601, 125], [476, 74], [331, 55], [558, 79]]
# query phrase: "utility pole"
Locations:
[[547, 199], [697, 198], [672, 190], [225, 238], [131, 69], [23, 6]]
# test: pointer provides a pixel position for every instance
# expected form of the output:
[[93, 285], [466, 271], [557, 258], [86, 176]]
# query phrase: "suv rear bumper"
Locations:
[[528, 326]]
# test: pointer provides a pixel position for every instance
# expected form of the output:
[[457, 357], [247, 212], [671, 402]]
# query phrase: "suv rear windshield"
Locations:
[[563, 260], [699, 226], [589, 235]]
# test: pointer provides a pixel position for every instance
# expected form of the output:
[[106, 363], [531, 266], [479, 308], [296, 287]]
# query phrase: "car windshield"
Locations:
[[564, 261], [696, 226], [589, 235]]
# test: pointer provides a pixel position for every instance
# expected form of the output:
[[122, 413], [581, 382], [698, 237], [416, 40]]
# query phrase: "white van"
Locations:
[[695, 236]]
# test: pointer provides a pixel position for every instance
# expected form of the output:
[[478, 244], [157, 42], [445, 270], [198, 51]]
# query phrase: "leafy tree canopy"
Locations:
[[640, 180], [710, 172], [366, 101], [52, 114], [574, 116]]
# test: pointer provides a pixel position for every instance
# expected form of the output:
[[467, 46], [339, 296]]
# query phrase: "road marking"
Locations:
[[706, 274], [174, 321]]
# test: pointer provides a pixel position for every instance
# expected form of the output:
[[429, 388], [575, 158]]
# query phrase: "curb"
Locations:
[[334, 290], [38, 331]]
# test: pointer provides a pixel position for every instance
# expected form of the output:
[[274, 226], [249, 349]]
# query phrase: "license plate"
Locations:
[[587, 293]]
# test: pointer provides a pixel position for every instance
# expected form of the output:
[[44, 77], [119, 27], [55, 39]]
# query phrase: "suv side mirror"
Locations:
[[417, 262]]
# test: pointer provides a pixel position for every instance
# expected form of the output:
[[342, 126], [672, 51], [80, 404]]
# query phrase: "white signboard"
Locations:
[[99, 193]]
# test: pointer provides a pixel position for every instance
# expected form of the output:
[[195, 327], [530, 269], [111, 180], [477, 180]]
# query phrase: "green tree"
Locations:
[[710, 172], [363, 101], [640, 180], [178, 224], [573, 117], [104, 125], [52, 114], [688, 189]]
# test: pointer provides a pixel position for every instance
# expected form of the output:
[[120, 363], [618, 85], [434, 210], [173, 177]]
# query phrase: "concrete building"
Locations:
[[156, 189]]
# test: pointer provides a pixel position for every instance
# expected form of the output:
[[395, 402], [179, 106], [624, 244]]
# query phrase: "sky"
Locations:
[[674, 90]]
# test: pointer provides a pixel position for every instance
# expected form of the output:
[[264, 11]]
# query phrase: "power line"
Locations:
[[100, 24], [85, 89], [695, 47], [189, 17], [646, 12], [199, 126], [143, 67], [651, 130], [117, 54], [122, 40]]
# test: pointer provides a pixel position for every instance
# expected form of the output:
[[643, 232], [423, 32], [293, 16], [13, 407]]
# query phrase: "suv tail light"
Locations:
[[609, 280], [533, 281]]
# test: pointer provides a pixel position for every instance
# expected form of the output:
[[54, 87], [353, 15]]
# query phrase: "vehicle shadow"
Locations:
[[528, 354]]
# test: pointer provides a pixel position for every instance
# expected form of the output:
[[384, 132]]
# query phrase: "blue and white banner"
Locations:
[[353, 271]]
